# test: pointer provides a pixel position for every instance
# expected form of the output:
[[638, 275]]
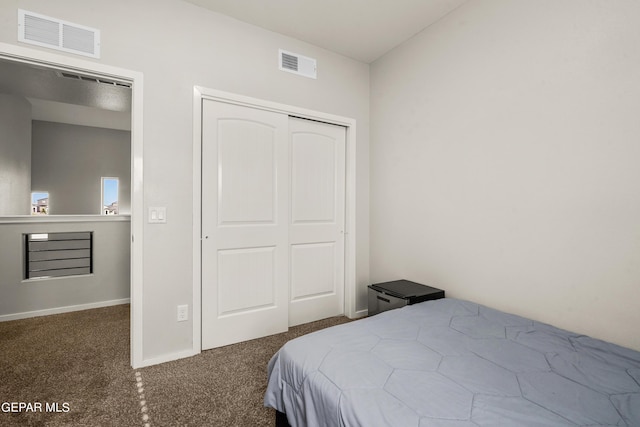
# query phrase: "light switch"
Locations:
[[157, 215]]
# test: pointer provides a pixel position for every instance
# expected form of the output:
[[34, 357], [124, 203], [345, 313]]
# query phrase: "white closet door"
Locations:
[[244, 223], [316, 230]]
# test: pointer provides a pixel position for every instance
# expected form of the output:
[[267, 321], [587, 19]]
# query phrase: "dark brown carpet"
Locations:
[[79, 358], [82, 359], [219, 387]]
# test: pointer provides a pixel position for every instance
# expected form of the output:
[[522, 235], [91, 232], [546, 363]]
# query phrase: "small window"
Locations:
[[39, 203], [110, 196]]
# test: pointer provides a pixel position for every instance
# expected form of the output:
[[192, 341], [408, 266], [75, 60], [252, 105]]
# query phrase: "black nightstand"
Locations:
[[388, 295]]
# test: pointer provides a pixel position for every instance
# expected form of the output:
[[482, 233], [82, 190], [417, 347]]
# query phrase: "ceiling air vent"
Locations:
[[100, 80], [56, 34], [297, 64]]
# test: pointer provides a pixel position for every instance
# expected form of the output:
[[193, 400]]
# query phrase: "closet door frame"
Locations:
[[200, 94]]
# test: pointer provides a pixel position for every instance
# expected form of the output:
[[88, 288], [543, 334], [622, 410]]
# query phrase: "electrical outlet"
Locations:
[[183, 313]]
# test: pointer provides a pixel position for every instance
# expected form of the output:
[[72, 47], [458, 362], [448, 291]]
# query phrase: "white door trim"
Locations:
[[201, 93], [51, 60]]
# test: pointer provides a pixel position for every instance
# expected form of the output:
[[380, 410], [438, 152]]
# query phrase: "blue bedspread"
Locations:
[[453, 363]]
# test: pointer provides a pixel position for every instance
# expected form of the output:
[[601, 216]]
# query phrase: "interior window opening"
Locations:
[[40, 203], [110, 196]]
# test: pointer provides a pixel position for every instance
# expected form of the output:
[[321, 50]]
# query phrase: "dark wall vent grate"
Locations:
[[58, 254], [289, 62]]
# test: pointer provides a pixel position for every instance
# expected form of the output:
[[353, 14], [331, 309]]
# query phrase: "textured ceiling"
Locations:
[[360, 29], [67, 100], [45, 83]]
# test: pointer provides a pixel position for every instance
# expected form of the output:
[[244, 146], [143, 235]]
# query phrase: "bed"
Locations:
[[452, 363]]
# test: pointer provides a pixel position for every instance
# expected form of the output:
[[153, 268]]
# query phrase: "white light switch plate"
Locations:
[[157, 215]]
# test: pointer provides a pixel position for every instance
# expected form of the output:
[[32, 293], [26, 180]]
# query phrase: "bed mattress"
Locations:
[[453, 363]]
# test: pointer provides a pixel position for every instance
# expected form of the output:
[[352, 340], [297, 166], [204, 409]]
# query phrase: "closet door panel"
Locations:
[[244, 223]]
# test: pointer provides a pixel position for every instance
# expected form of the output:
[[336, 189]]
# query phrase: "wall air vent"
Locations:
[[297, 64], [53, 33]]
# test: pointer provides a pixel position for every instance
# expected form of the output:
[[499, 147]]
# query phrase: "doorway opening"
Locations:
[[66, 102]]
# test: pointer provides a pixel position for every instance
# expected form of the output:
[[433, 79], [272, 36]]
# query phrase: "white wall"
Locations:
[[177, 45], [504, 161], [109, 281], [68, 161], [15, 155]]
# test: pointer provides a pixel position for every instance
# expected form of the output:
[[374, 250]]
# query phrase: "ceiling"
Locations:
[[69, 99], [360, 29]]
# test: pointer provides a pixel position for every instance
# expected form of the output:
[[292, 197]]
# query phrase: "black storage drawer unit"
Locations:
[[389, 295]]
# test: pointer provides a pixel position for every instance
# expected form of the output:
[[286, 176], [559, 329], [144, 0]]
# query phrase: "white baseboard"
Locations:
[[59, 310], [360, 313], [167, 358]]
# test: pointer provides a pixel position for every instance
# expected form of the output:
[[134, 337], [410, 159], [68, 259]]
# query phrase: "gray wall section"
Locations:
[[110, 280], [68, 161], [15, 155]]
